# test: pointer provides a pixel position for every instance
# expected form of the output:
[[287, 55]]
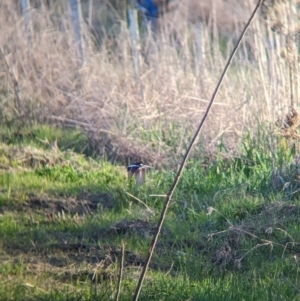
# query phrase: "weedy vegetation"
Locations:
[[67, 134]]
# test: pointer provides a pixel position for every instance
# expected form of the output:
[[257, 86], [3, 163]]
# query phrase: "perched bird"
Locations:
[[138, 169]]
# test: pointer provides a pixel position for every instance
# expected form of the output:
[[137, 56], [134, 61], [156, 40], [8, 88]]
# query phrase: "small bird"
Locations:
[[139, 170]]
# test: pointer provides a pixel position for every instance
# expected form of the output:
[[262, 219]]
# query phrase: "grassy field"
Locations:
[[232, 232], [67, 134]]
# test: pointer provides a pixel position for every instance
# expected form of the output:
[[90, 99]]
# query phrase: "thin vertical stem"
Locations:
[[179, 173], [120, 272]]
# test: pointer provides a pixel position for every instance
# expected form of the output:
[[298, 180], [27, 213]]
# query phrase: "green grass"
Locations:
[[64, 215]]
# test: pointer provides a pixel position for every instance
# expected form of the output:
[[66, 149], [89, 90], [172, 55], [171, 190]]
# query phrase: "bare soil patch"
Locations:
[[85, 203], [126, 228]]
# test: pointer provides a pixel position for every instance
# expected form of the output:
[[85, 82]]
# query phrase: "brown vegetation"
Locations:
[[152, 118]]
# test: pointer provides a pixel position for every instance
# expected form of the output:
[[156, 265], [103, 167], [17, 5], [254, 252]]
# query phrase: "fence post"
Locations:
[[76, 17], [90, 17], [135, 41], [25, 4], [200, 49]]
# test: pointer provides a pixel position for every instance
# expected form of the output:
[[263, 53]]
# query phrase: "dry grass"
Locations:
[[104, 97], [290, 125]]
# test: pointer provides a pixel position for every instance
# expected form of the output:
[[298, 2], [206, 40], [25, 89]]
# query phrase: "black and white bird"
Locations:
[[139, 170]]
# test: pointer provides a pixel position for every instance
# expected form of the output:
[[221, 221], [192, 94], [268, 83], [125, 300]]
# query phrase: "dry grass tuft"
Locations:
[[127, 150], [223, 256], [290, 125], [19, 157], [266, 229]]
